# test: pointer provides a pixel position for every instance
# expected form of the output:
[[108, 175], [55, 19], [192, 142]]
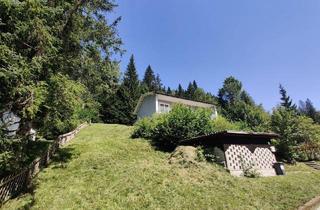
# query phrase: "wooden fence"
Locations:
[[16, 183]]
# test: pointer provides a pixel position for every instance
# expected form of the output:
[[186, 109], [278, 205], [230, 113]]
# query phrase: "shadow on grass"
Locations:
[[61, 158]]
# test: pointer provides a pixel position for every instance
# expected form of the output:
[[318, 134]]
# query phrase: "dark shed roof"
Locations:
[[234, 136]]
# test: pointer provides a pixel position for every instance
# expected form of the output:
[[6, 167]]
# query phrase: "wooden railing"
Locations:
[[16, 183]]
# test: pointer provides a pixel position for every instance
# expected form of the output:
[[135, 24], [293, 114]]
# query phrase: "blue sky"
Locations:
[[262, 43]]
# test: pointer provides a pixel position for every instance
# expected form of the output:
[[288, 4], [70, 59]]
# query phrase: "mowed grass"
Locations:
[[103, 168]]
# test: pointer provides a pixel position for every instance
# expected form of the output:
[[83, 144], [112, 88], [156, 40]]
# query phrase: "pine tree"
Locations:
[[120, 107], [149, 79], [130, 80], [195, 85], [190, 91], [180, 91], [169, 91], [286, 101], [158, 84], [306, 108]]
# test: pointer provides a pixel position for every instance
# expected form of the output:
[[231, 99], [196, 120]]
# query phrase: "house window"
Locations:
[[164, 108]]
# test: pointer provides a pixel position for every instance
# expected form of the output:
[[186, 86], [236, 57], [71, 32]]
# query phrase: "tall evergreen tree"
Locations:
[[158, 83], [306, 108], [130, 80], [149, 79], [190, 91], [286, 101], [119, 108], [195, 85], [169, 91], [180, 91]]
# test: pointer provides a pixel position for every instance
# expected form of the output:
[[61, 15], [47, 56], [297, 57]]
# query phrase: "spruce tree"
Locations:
[[130, 79], [286, 101], [149, 79], [180, 91], [169, 91], [192, 87], [195, 85], [306, 108], [158, 83], [120, 107]]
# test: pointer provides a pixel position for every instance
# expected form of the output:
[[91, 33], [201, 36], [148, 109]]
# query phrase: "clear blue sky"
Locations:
[[262, 43]]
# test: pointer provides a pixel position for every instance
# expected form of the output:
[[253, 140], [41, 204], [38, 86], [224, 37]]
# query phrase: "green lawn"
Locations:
[[102, 168]]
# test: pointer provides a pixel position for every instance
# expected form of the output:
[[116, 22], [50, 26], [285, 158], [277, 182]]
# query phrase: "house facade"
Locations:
[[151, 103]]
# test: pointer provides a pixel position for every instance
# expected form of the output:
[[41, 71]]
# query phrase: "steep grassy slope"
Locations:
[[102, 168]]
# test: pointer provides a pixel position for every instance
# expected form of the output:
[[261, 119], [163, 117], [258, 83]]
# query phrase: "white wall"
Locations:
[[11, 122], [148, 107]]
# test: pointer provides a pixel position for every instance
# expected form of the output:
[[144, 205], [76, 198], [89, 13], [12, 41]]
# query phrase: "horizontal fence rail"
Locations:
[[14, 184]]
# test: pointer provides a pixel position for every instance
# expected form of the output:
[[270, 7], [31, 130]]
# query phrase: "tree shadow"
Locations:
[[161, 147], [62, 156]]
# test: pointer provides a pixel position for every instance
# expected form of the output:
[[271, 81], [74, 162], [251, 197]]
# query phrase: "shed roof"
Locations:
[[230, 133]]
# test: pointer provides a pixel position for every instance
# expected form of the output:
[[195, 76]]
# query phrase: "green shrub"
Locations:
[[144, 127], [167, 130], [222, 124], [299, 135]]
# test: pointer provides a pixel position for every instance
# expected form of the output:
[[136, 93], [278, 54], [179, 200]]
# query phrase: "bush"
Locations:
[[167, 130], [300, 136], [144, 128], [222, 124]]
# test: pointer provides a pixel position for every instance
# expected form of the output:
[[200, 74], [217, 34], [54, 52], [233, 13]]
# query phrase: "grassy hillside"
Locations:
[[102, 168]]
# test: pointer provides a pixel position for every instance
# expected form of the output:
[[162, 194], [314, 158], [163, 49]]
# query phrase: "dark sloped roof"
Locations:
[[229, 133]]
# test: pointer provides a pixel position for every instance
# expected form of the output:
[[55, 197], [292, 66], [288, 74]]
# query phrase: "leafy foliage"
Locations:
[[297, 134], [222, 124], [167, 130], [238, 106]]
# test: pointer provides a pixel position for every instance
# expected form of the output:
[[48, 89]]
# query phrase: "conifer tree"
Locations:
[[149, 79], [169, 91], [180, 91], [190, 91], [158, 83], [195, 85], [286, 101], [130, 80], [306, 108], [120, 107]]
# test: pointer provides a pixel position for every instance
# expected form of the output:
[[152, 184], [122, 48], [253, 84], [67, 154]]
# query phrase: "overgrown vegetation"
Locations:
[[55, 67], [167, 130], [299, 134], [103, 167]]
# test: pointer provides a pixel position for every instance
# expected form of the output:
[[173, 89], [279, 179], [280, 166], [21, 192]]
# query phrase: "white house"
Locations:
[[151, 103]]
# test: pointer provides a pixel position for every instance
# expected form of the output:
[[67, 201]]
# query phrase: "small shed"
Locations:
[[238, 149]]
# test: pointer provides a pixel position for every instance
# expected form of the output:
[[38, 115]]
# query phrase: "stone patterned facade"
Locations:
[[240, 156]]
